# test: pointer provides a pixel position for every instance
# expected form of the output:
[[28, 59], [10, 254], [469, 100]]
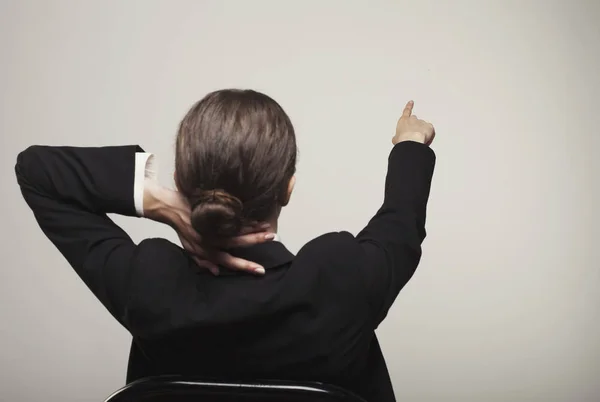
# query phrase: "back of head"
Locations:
[[235, 156]]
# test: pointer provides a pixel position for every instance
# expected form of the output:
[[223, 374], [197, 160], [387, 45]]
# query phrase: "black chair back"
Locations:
[[182, 389]]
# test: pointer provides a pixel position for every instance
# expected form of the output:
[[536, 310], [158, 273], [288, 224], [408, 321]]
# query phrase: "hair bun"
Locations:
[[216, 214]]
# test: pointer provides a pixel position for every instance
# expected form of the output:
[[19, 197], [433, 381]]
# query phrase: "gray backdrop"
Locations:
[[505, 305]]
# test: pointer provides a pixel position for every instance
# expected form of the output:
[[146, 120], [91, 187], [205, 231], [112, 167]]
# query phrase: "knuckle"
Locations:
[[233, 242], [218, 257]]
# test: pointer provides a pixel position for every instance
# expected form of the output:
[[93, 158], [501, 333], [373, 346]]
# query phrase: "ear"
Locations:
[[290, 190]]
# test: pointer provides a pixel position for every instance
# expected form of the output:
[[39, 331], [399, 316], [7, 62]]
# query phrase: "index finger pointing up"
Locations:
[[408, 109]]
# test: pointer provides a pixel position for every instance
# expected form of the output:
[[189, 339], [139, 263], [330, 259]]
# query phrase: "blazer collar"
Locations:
[[270, 255]]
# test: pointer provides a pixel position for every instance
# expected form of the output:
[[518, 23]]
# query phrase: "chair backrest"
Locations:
[[183, 389]]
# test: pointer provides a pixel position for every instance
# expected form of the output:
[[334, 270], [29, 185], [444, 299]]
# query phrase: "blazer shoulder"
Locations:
[[156, 259], [160, 269], [330, 250], [157, 251], [333, 263], [335, 240]]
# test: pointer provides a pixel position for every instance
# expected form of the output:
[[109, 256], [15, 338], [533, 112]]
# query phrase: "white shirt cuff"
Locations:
[[144, 169]]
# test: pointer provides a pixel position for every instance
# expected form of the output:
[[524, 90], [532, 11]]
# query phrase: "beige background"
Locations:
[[505, 305]]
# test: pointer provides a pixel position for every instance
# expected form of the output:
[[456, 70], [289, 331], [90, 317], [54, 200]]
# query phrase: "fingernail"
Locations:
[[269, 236], [265, 226], [259, 270]]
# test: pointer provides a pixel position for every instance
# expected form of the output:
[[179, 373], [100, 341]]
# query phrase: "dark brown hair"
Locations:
[[235, 155]]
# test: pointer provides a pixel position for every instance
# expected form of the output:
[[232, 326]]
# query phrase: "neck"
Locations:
[[273, 221], [273, 225]]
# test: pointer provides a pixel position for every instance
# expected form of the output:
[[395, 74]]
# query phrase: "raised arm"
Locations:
[[70, 191], [391, 242]]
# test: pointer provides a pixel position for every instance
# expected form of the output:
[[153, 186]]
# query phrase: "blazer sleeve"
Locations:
[[70, 190], [391, 242]]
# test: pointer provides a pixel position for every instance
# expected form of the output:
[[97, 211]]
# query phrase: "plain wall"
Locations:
[[505, 304]]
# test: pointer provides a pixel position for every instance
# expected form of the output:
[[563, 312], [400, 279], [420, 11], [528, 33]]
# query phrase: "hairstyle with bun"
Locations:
[[217, 212], [235, 155]]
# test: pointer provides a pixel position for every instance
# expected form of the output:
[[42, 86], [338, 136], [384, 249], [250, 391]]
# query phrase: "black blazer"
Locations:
[[310, 317]]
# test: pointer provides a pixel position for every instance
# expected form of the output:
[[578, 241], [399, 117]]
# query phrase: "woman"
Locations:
[[308, 317]]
